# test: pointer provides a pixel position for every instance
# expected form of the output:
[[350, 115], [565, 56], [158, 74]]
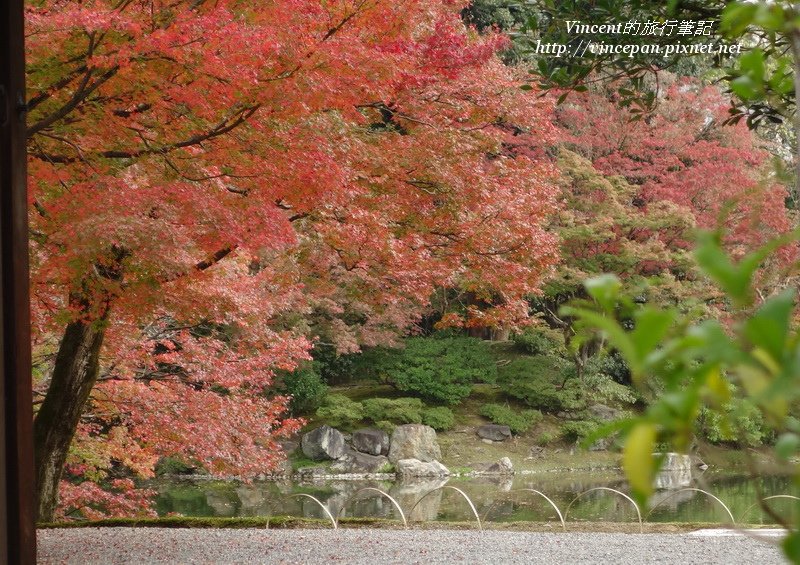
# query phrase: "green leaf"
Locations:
[[710, 341], [737, 16], [752, 63], [716, 264], [791, 546], [734, 279], [617, 336], [651, 328], [718, 388], [787, 445], [770, 16], [637, 459], [605, 290], [606, 430], [745, 88], [769, 327]]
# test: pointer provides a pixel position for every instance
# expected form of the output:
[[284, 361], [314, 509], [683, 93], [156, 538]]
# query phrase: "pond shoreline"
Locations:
[[294, 522], [580, 461], [300, 477]]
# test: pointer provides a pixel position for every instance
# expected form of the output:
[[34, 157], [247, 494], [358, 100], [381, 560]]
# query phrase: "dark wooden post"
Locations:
[[17, 521]]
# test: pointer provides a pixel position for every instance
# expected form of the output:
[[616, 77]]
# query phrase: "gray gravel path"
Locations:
[[374, 546]]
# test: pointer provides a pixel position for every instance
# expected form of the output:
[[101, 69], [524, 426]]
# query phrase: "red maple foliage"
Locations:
[[208, 177], [684, 153]]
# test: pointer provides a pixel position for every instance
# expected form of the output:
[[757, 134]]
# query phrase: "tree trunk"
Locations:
[[74, 375]]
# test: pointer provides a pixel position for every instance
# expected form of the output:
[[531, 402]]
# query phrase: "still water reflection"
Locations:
[[202, 498]]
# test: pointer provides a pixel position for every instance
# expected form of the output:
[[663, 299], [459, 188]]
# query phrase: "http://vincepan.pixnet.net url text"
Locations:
[[688, 36]]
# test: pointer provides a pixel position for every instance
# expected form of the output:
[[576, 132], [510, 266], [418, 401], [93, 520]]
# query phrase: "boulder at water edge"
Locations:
[[502, 467], [675, 462], [414, 441], [324, 442], [371, 441], [411, 468], [354, 462]]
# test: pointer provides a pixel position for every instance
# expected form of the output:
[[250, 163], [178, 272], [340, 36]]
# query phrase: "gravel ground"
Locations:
[[375, 546]]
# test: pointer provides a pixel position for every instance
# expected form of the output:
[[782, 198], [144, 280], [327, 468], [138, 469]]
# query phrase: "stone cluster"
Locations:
[[412, 452], [412, 449]]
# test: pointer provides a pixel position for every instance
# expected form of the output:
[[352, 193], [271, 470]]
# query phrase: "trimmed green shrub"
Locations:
[[339, 411], [385, 413], [306, 388], [578, 430], [394, 410], [440, 369], [604, 388], [440, 418], [540, 341], [520, 421], [536, 382], [386, 426]]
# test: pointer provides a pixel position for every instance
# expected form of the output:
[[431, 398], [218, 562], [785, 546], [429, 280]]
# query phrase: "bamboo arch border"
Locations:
[[459, 491], [688, 489], [622, 494], [749, 508], [321, 505], [562, 517], [382, 493], [543, 495]]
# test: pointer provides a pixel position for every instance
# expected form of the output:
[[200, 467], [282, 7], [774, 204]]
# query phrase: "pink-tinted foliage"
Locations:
[[217, 184]]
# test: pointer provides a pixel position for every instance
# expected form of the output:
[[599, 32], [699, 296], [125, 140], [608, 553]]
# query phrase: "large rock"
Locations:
[[603, 413], [414, 441], [676, 462], [354, 462], [494, 432], [371, 441], [675, 472], [502, 467], [322, 443], [412, 468]]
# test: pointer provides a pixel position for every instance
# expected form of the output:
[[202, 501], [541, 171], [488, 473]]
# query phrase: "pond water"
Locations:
[[496, 499]]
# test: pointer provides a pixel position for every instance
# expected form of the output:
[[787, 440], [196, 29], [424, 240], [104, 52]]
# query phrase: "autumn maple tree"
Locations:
[[686, 154], [634, 192], [214, 184]]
